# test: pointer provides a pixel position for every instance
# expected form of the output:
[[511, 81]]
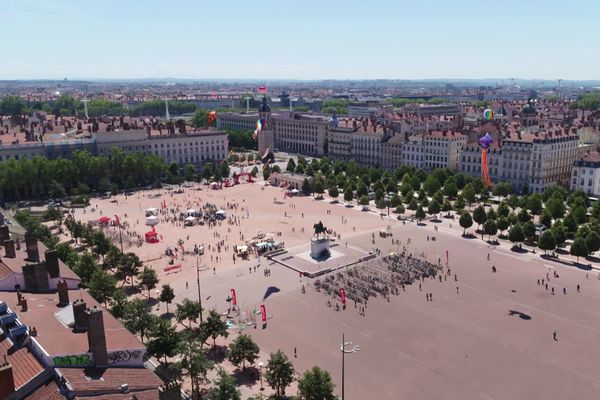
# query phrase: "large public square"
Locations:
[[483, 335]]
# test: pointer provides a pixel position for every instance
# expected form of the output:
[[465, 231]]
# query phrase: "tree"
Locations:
[[207, 171], [224, 388], [546, 219], [479, 216], [431, 185], [592, 241], [503, 209], [214, 326], [502, 224], [291, 165], [306, 187], [86, 267], [556, 207], [547, 241], [348, 195], [167, 295], [128, 267], [316, 384], [194, 365], [529, 230], [118, 302], [579, 212], [450, 187], [459, 203], [434, 208], [164, 340], [420, 214], [364, 200], [137, 317], [465, 221], [266, 173], [102, 286], [334, 192], [490, 228], [242, 349], [468, 193], [279, 372], [534, 203], [101, 243], [503, 189], [188, 309], [570, 224], [319, 187], [413, 204], [400, 209], [199, 119], [579, 248], [515, 234], [148, 279], [560, 233], [523, 216]]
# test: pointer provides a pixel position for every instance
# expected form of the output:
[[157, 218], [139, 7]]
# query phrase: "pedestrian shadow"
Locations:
[[523, 316]]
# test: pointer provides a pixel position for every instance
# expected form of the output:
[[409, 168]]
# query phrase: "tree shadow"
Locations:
[[518, 249], [593, 259], [167, 315], [333, 202], [421, 223], [278, 202], [217, 354], [349, 206], [246, 377], [151, 302], [131, 290], [469, 236], [523, 316]]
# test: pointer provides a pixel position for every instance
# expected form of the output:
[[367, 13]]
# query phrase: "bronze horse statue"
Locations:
[[319, 229]]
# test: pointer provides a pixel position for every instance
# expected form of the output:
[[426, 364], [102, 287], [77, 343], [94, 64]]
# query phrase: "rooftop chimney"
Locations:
[[31, 243], [63, 293], [52, 263], [9, 248], [79, 315], [7, 381], [96, 336]]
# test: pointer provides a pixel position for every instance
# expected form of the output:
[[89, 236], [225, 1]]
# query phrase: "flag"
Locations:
[[263, 311], [233, 297], [343, 295]]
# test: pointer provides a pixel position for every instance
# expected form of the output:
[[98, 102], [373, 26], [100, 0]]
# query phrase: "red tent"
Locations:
[[104, 220], [151, 237]]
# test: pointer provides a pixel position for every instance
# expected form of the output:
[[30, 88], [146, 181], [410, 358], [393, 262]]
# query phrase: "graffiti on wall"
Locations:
[[124, 356], [72, 361]]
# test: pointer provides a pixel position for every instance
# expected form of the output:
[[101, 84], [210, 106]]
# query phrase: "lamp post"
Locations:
[[260, 367], [346, 347], [198, 282]]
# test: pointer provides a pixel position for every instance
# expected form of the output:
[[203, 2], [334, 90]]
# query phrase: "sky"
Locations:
[[303, 39]]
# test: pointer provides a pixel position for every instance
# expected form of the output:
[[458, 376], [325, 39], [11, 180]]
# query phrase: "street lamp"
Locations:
[[198, 282], [346, 347], [260, 367]]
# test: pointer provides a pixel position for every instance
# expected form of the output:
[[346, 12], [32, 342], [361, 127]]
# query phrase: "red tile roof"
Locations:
[[48, 391], [107, 381], [24, 364]]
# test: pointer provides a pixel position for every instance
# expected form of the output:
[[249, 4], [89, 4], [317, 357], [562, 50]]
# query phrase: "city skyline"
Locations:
[[269, 40]]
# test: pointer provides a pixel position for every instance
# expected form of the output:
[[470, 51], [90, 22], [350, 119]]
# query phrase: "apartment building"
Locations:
[[368, 109], [530, 160], [301, 133], [586, 174], [442, 149]]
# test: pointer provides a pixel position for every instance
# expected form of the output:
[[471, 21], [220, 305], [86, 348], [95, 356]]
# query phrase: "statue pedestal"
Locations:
[[318, 246]]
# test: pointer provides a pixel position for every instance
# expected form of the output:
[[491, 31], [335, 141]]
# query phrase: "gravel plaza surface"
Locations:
[[484, 335]]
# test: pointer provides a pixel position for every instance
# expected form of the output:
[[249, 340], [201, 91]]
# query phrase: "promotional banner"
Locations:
[[263, 311], [343, 295], [233, 298]]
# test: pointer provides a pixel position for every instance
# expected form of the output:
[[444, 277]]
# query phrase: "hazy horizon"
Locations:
[[271, 40]]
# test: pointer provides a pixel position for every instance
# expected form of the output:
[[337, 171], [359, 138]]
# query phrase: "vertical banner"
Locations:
[[343, 295], [263, 311], [233, 298]]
